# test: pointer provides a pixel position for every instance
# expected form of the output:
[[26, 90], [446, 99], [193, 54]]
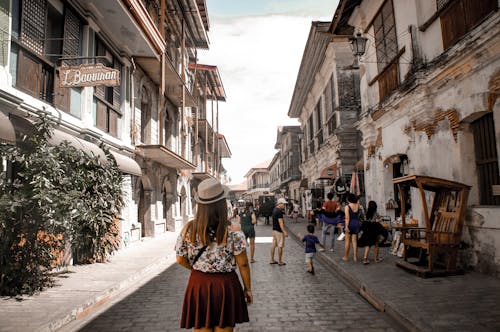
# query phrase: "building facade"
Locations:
[[258, 181], [327, 104], [429, 87], [160, 120], [288, 144]]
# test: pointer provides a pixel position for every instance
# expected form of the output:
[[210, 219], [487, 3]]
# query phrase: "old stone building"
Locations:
[[258, 182], [288, 144], [326, 102], [429, 82], [160, 120]]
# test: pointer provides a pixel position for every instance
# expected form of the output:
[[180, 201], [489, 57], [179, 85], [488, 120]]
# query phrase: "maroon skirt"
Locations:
[[213, 299]]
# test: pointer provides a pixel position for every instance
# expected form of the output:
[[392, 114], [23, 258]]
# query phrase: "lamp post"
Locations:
[[358, 46]]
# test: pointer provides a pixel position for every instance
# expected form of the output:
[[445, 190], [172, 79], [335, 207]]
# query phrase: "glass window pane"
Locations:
[[14, 54], [94, 110], [76, 102]]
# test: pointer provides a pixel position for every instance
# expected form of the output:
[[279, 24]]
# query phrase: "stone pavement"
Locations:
[[83, 288], [460, 303]]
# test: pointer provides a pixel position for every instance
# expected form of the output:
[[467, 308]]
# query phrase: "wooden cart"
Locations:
[[437, 242]]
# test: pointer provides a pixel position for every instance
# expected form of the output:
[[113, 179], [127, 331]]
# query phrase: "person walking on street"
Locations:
[[247, 220], [214, 299], [373, 233], [352, 227], [329, 210], [310, 239], [279, 232]]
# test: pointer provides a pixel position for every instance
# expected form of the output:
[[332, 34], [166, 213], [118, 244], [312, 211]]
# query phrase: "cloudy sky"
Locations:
[[257, 46]]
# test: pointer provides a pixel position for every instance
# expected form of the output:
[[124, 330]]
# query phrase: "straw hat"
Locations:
[[210, 191], [281, 200]]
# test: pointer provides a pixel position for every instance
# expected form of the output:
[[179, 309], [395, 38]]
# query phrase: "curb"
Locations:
[[362, 289], [138, 278]]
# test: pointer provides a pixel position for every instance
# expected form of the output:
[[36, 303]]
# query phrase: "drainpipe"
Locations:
[[132, 98]]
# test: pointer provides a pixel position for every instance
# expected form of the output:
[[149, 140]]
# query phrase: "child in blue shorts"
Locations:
[[310, 239]]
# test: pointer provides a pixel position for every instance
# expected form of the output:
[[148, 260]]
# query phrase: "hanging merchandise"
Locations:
[[354, 187]]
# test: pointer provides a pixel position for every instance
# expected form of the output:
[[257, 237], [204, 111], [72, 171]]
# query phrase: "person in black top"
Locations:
[[279, 232]]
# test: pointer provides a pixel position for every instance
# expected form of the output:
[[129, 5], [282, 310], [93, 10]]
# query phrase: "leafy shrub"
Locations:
[[52, 195]]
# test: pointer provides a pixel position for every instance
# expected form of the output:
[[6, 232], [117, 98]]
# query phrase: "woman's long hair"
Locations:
[[210, 224], [370, 212]]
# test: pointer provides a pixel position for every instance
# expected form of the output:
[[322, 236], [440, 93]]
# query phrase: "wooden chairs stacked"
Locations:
[[437, 242]]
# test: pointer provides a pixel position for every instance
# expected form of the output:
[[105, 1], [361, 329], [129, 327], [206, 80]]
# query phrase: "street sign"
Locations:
[[88, 75]]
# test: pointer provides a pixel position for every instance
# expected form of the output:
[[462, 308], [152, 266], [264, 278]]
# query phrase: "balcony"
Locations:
[[164, 156], [205, 131]]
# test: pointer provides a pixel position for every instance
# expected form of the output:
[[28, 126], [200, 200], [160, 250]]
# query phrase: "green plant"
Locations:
[[50, 195]]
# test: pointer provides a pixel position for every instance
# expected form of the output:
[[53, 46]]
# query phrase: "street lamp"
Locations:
[[358, 44]]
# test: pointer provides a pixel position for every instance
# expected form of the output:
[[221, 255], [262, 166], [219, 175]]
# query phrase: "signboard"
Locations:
[[88, 75]]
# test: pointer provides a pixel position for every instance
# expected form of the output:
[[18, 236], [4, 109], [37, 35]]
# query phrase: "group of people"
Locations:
[[211, 247], [354, 221]]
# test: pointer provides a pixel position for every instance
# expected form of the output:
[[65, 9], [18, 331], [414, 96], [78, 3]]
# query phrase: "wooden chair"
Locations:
[[439, 239]]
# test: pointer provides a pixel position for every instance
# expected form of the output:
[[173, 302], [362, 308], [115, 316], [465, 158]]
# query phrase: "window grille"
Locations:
[[486, 159], [385, 36], [33, 14]]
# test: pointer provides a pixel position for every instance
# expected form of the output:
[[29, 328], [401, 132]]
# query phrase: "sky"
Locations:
[[257, 46]]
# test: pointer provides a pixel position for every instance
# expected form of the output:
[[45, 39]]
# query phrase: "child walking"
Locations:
[[310, 239]]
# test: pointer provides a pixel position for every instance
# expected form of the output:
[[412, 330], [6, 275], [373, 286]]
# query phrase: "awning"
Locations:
[[89, 148], [126, 164], [7, 132], [164, 156], [329, 172]]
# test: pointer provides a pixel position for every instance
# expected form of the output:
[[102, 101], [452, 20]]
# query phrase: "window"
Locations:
[[461, 16], [107, 100], [385, 36], [386, 46], [42, 33], [486, 159], [311, 134]]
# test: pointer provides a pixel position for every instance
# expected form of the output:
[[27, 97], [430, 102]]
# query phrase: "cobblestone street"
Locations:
[[286, 298]]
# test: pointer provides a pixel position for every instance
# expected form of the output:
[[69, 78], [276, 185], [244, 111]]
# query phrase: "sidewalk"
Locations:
[[466, 302], [80, 289]]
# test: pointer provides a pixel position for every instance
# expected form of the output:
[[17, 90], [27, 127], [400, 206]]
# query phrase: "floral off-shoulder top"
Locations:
[[216, 258]]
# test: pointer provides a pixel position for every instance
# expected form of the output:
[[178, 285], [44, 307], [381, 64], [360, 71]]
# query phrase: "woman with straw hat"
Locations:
[[214, 299]]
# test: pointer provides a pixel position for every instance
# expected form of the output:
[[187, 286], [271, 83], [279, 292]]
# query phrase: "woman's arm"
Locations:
[[254, 219], [347, 217], [242, 262], [181, 260], [184, 262]]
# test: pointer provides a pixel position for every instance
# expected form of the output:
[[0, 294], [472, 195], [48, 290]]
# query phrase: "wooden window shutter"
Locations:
[[461, 16], [71, 48], [71, 38], [113, 123], [476, 11], [388, 81], [452, 28], [29, 74], [34, 15], [102, 116]]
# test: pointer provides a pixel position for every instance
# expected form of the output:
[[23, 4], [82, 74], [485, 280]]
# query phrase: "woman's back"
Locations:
[[246, 218], [217, 257]]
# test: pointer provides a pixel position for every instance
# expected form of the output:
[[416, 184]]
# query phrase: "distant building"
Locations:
[[258, 181], [326, 102]]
